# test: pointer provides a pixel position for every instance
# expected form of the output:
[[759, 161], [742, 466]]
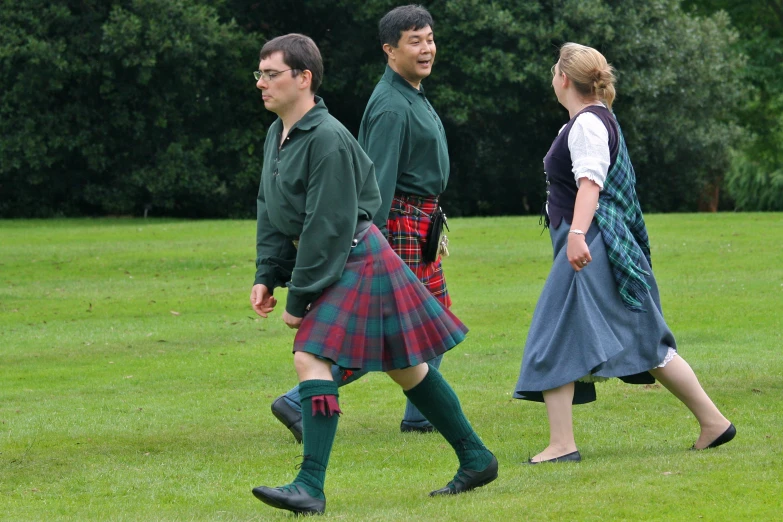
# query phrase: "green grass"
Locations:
[[135, 382]]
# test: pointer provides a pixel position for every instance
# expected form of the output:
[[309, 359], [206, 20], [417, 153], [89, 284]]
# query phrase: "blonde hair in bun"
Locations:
[[589, 71]]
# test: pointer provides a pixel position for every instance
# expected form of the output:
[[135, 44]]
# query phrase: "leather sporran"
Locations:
[[434, 244]]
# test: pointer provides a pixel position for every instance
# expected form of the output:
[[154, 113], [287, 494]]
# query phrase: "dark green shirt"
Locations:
[[404, 138], [314, 188]]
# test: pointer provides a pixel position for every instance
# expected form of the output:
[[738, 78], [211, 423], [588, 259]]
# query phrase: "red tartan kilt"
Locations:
[[377, 316], [407, 225]]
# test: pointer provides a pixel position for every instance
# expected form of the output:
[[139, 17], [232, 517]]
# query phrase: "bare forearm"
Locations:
[[577, 251], [585, 205]]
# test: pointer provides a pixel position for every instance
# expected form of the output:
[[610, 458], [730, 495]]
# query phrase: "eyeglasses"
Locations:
[[268, 76]]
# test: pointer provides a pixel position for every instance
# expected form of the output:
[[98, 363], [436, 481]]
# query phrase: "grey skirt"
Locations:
[[581, 329]]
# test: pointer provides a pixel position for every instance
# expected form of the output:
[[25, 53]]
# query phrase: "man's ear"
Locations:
[[389, 50], [305, 79]]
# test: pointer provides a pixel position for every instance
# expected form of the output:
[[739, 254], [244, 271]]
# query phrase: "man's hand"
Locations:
[[291, 321], [262, 301]]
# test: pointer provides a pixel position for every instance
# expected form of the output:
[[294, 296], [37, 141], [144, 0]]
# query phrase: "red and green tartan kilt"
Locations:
[[409, 220], [377, 316]]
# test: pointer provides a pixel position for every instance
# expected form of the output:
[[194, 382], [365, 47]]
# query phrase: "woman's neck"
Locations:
[[575, 104]]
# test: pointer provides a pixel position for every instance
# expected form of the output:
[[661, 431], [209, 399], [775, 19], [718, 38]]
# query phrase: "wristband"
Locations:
[[576, 231]]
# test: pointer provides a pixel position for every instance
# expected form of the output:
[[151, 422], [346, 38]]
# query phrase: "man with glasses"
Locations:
[[404, 137], [351, 298]]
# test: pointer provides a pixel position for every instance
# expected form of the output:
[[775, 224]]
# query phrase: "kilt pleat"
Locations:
[[378, 316]]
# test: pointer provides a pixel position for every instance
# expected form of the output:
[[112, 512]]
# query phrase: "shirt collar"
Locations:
[[313, 117], [402, 85]]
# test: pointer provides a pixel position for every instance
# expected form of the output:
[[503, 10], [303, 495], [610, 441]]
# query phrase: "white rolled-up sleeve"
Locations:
[[588, 143]]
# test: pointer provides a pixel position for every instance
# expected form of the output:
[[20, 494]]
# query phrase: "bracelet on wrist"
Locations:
[[576, 231]]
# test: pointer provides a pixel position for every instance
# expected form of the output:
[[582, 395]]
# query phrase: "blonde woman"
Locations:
[[599, 315]]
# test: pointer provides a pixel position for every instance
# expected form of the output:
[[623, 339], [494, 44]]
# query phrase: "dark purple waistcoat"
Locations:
[[560, 185]]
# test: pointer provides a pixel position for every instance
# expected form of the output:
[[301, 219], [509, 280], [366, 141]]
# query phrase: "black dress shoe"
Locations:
[[291, 498], [568, 457], [724, 437], [290, 418], [467, 479], [409, 428]]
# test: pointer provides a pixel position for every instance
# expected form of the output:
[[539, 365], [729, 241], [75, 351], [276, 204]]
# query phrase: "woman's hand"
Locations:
[[577, 251], [291, 321]]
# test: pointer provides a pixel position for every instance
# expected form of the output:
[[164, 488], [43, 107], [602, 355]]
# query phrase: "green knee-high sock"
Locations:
[[319, 425], [437, 401]]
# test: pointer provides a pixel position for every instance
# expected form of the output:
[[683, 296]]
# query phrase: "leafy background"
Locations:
[[148, 107]]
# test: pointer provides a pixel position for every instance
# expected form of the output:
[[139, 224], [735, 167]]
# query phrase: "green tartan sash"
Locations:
[[619, 218]]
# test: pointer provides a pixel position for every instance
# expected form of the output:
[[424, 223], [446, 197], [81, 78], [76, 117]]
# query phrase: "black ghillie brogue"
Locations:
[[291, 498], [468, 479], [410, 428], [290, 418]]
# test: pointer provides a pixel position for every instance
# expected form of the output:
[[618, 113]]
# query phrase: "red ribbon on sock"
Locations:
[[325, 405], [347, 374]]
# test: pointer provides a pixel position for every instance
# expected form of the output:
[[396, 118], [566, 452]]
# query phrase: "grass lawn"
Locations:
[[135, 382]]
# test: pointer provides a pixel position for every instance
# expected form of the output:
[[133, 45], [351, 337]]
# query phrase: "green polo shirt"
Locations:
[[314, 188], [404, 137]]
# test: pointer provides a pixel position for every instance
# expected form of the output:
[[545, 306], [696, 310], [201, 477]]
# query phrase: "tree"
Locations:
[[679, 82], [136, 104], [755, 180], [126, 107]]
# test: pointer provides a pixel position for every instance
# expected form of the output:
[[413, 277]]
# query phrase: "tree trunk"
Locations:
[[710, 196]]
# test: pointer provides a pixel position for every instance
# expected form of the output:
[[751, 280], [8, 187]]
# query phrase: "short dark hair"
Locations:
[[299, 53], [404, 18]]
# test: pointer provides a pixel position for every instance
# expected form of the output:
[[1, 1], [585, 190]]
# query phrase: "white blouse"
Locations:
[[588, 143]]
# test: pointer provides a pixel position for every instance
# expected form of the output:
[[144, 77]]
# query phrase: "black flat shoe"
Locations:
[[467, 479], [724, 437], [568, 457], [409, 428], [290, 498], [290, 418]]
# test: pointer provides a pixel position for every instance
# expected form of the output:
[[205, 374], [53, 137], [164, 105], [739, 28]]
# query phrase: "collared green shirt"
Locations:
[[404, 137], [314, 188]]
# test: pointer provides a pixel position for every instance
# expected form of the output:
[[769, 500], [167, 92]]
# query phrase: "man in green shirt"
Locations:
[[404, 137], [351, 299]]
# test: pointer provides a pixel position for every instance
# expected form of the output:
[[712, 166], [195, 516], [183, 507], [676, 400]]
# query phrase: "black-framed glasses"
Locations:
[[268, 76]]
